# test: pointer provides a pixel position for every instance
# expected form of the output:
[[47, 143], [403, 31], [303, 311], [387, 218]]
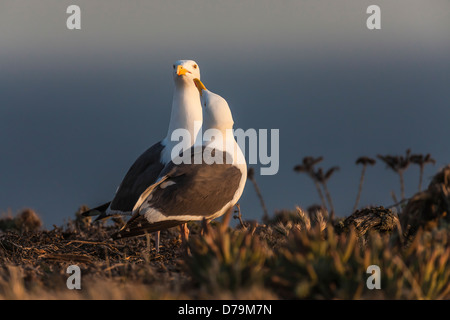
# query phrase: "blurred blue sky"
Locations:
[[77, 107]]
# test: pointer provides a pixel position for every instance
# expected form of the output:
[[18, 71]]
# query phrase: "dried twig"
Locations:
[[364, 161], [251, 177], [239, 217], [398, 164], [421, 161]]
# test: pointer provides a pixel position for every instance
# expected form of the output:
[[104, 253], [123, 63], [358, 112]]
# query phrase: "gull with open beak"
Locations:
[[196, 190]]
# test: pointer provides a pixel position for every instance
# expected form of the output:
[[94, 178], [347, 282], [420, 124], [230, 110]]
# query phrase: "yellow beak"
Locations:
[[199, 85], [181, 71]]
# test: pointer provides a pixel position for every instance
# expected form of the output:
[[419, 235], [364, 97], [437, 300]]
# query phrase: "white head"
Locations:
[[216, 112], [185, 71]]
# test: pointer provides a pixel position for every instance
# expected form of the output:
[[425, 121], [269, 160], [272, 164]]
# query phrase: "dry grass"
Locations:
[[297, 254]]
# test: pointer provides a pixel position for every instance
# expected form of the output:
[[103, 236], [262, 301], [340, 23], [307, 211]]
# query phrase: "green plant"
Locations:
[[314, 265], [227, 260]]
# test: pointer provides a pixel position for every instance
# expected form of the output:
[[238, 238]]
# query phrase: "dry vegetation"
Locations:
[[295, 254]]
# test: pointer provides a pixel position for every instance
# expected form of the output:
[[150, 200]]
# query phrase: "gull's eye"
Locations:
[[174, 66], [195, 66]]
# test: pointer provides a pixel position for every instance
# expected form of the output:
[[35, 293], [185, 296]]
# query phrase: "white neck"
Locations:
[[224, 140], [186, 114]]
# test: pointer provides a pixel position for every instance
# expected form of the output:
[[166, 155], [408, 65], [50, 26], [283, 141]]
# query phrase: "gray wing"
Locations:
[[197, 190], [143, 173], [138, 226], [194, 189]]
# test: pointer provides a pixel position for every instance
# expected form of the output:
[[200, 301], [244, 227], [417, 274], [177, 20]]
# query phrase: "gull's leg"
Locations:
[[184, 237], [184, 232], [157, 236]]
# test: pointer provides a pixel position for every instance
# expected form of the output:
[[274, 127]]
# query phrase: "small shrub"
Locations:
[[228, 260]]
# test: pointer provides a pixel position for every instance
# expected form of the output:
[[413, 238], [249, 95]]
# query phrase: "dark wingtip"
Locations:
[[98, 211], [142, 227], [101, 216], [116, 236], [90, 213]]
